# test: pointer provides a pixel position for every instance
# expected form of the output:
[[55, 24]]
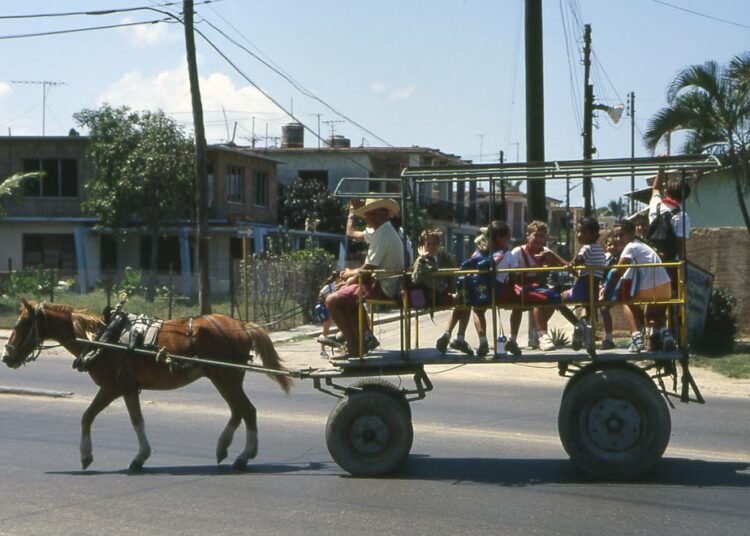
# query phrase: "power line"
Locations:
[[76, 30], [704, 15], [296, 85], [98, 11]]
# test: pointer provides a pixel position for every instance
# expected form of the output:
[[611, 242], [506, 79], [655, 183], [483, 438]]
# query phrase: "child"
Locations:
[[612, 252], [324, 317], [498, 234], [426, 265], [641, 284]]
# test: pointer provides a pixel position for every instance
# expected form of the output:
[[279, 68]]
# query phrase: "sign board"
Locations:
[[245, 232], [699, 286]]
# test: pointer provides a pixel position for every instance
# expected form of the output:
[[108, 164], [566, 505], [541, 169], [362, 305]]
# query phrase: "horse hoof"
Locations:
[[136, 466], [85, 462], [240, 464], [221, 455]]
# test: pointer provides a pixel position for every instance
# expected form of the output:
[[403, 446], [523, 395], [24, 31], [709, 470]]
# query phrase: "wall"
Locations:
[[713, 202], [725, 252], [338, 166]]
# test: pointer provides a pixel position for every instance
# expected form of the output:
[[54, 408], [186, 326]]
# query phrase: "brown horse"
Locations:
[[119, 374]]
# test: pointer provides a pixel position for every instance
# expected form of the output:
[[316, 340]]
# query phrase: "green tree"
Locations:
[[144, 173], [10, 187], [711, 104], [311, 199], [616, 207]]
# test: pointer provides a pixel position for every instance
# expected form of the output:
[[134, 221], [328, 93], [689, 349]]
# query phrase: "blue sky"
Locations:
[[446, 74]]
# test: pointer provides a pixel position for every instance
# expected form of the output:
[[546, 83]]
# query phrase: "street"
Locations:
[[486, 458]]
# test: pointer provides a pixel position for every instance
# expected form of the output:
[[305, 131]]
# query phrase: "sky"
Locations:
[[446, 74]]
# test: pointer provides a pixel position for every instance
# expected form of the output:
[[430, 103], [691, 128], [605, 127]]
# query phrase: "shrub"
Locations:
[[29, 282], [559, 338], [721, 324]]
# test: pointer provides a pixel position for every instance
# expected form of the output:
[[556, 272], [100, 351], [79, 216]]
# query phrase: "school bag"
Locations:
[[475, 289], [661, 235]]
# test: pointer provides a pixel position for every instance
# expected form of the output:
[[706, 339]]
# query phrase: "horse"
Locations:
[[119, 373]]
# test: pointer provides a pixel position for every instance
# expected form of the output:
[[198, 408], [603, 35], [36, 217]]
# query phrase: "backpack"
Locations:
[[661, 235], [475, 288]]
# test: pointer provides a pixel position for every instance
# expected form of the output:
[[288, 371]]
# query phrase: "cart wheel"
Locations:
[[379, 385], [369, 434], [614, 424]]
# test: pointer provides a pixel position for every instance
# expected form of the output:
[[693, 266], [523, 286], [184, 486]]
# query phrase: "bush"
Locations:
[[28, 282], [721, 324]]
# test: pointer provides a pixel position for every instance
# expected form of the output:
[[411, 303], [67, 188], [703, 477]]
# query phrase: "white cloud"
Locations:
[[377, 87], [402, 93], [5, 89], [147, 35], [170, 91]]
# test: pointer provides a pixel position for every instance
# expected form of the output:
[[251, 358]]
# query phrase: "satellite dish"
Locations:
[[615, 112]]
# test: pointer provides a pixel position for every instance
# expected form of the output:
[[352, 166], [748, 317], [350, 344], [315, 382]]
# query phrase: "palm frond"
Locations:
[[708, 77], [11, 185]]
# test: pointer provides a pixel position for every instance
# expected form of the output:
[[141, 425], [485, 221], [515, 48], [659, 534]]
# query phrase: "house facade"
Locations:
[[45, 226]]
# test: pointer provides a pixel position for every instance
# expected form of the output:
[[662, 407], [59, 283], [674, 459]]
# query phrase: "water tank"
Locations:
[[339, 142], [292, 136]]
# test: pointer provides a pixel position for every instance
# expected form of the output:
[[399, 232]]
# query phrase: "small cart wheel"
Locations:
[[614, 424], [369, 434], [380, 385]]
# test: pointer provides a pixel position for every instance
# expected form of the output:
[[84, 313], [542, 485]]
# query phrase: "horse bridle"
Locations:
[[36, 332]]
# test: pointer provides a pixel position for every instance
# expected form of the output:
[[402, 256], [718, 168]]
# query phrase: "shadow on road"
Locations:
[[531, 472], [202, 470]]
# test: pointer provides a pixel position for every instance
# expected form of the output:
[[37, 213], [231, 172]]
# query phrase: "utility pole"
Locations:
[[536, 191], [503, 205], [631, 111], [45, 85], [588, 117], [517, 144], [201, 179], [481, 147]]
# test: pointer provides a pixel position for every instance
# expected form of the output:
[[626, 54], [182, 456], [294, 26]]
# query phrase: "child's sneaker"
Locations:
[[545, 342], [636, 343], [442, 343], [512, 348], [654, 342], [462, 346], [370, 342], [483, 349], [667, 341], [608, 344], [330, 341], [324, 354]]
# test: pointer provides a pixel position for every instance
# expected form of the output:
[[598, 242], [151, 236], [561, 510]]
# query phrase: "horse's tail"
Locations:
[[263, 346]]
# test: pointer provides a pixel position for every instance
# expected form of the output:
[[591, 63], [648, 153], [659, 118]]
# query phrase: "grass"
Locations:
[[96, 300], [734, 365]]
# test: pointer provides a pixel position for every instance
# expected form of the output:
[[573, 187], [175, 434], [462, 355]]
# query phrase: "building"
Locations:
[[47, 228]]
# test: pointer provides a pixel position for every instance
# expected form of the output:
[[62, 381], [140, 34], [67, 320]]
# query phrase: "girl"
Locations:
[[612, 252], [641, 284]]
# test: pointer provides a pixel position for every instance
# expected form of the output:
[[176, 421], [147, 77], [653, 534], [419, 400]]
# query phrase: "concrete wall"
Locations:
[[354, 165], [713, 202], [725, 252]]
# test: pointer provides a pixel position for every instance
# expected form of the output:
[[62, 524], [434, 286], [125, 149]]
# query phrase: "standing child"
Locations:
[[324, 317]]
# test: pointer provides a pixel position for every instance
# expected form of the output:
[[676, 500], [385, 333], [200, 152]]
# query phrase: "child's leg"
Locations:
[[634, 316], [480, 322], [542, 316], [516, 315], [326, 326], [606, 320]]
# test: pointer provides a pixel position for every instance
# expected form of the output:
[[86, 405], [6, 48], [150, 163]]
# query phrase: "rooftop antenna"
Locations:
[[45, 84], [332, 124]]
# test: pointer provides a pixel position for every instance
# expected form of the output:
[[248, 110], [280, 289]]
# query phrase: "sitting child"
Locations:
[[612, 252], [426, 266], [324, 317], [641, 284]]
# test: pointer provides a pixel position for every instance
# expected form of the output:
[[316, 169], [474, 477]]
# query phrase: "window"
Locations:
[[235, 184], [261, 188], [167, 256], [107, 253], [49, 251], [60, 177]]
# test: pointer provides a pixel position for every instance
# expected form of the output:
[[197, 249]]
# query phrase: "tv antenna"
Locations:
[[45, 85], [332, 124]]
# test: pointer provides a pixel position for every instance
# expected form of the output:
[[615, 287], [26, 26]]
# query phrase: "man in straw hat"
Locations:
[[385, 252]]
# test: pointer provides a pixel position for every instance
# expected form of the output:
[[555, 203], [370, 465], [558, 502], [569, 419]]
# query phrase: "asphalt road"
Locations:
[[486, 459]]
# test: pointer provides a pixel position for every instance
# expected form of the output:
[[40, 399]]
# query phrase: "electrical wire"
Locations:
[[76, 30], [704, 15], [98, 11]]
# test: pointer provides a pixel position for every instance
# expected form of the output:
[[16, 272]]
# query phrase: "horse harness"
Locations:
[[36, 332]]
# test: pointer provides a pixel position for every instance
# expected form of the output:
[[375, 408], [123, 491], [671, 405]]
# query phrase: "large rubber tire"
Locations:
[[380, 385], [614, 424], [369, 434]]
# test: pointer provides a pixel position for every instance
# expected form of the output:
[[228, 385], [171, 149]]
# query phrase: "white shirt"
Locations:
[[504, 259], [386, 252], [680, 220], [526, 260], [644, 278]]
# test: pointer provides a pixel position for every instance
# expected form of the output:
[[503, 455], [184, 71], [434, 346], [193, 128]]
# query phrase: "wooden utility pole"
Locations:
[[588, 117], [201, 179], [632, 151], [536, 191]]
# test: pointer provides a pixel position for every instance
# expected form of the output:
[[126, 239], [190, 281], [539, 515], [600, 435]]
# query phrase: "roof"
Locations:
[[360, 150], [239, 151]]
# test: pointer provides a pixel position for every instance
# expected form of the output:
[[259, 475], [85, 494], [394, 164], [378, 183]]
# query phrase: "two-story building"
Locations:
[[46, 227]]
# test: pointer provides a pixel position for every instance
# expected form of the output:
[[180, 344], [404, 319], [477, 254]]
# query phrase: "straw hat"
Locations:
[[373, 204]]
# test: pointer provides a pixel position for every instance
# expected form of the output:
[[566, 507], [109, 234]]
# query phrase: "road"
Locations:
[[486, 459]]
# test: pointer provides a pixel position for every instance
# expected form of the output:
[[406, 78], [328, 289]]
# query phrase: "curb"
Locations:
[[25, 391]]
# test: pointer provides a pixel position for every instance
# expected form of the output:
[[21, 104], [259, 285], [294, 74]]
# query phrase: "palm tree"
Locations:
[[711, 104], [616, 207], [10, 187]]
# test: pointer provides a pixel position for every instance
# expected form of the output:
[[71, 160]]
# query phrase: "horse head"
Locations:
[[25, 342]]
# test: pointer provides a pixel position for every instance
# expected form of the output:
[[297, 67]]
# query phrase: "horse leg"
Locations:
[[132, 402], [229, 385], [102, 399]]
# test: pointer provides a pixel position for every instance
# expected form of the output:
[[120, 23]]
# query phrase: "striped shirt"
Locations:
[[592, 255]]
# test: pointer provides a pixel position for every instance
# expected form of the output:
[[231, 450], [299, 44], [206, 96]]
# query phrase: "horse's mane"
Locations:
[[85, 323]]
